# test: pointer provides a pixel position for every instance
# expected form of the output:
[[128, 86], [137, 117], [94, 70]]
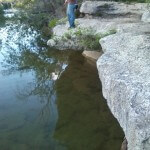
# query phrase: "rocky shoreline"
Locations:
[[124, 67]]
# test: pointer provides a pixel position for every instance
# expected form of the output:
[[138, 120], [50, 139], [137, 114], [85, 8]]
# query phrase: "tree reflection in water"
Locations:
[[84, 119], [46, 67], [23, 54], [2, 20]]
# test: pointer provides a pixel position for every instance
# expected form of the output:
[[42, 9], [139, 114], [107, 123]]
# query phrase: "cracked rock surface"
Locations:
[[124, 70]]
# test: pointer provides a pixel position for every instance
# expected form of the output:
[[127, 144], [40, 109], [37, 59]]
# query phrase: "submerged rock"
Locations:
[[124, 70], [124, 144], [92, 55]]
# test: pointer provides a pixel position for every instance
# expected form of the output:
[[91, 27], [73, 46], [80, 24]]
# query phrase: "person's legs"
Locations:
[[71, 15], [68, 14]]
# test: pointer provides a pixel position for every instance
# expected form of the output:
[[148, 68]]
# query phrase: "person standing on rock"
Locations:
[[72, 5]]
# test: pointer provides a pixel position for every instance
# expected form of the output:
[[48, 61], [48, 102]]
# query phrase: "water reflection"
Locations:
[[50, 99], [2, 20], [28, 73], [85, 122], [44, 66]]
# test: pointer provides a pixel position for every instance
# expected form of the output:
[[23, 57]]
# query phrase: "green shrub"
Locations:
[[53, 23], [87, 37], [62, 21], [89, 40], [67, 36], [78, 33], [110, 32], [1, 9], [24, 4]]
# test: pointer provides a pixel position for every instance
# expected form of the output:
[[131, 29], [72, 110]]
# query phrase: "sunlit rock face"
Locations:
[[111, 8], [124, 70], [136, 28], [146, 16]]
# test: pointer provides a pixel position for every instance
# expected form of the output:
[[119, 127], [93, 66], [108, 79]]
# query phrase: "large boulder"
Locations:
[[111, 8], [124, 70], [138, 28]]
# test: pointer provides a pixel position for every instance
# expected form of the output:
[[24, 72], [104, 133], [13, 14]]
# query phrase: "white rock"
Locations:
[[138, 28], [54, 76], [51, 43], [124, 70], [96, 24], [92, 55], [115, 8], [60, 30], [146, 16]]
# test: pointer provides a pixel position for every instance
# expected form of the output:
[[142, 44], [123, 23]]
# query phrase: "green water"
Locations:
[[50, 99]]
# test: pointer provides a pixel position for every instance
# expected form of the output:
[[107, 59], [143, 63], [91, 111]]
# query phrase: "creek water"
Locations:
[[50, 99]]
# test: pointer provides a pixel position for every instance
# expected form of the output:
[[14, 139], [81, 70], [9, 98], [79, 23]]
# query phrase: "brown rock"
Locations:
[[124, 144]]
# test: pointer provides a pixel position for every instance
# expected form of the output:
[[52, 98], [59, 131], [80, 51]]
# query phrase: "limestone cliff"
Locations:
[[124, 72]]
